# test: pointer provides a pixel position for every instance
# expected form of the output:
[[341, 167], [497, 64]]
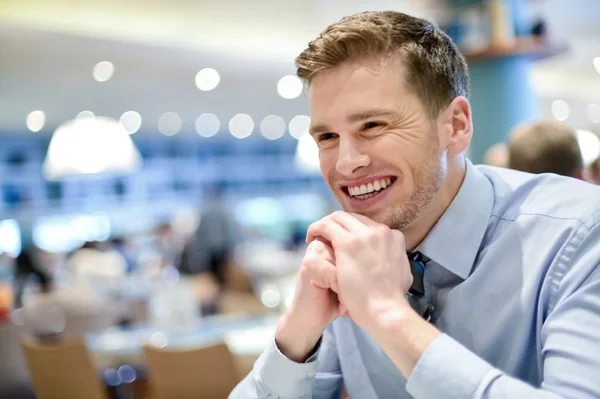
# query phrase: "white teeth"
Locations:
[[368, 190]]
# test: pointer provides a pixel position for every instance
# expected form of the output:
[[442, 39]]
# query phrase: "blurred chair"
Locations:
[[208, 373], [80, 321], [14, 376], [62, 371], [69, 322]]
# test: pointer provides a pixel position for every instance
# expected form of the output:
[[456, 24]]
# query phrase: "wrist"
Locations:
[[388, 314], [295, 340], [403, 334]]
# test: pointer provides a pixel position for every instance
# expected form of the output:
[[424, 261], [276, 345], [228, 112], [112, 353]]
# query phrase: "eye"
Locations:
[[372, 125], [326, 137]]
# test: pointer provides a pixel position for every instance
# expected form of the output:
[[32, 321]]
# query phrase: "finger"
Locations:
[[325, 246], [327, 229], [326, 277], [348, 221]]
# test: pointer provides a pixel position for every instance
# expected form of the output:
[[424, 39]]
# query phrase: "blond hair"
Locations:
[[436, 70]]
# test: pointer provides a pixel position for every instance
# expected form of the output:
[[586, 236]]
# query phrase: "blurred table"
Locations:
[[246, 336]]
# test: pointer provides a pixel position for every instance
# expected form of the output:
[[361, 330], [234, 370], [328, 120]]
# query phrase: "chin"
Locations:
[[376, 216]]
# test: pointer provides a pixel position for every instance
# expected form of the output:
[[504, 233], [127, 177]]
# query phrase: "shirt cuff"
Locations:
[[283, 376], [447, 370]]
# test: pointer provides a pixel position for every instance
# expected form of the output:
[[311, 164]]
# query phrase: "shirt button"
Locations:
[[311, 374]]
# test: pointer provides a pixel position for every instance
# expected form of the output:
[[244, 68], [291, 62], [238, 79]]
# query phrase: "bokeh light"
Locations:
[[207, 79], [241, 126], [36, 121], [289, 87], [103, 71]]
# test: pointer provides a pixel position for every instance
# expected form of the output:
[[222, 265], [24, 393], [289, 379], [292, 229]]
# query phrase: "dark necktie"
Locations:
[[417, 268]]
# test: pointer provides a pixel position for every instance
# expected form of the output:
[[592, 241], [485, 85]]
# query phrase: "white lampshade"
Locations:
[[89, 146], [307, 155]]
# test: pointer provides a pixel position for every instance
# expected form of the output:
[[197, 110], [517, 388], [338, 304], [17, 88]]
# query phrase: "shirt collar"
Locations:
[[454, 241]]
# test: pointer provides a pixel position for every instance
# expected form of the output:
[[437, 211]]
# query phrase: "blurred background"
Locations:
[[156, 179]]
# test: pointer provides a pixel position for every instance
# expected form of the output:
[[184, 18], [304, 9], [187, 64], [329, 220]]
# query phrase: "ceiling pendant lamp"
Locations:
[[88, 146]]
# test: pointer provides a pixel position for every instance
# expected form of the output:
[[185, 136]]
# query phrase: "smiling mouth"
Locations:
[[366, 191]]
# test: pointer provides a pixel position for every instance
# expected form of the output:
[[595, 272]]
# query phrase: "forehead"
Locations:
[[374, 82]]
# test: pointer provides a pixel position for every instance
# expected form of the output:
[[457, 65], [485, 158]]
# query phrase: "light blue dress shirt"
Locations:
[[515, 280]]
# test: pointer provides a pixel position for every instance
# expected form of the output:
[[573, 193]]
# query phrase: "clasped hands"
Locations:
[[353, 266], [357, 267]]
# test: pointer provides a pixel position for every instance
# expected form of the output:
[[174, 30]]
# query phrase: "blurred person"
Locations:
[[496, 155], [99, 267], [6, 266], [208, 253], [126, 250], [212, 245], [545, 147], [168, 244], [297, 236], [27, 270], [439, 279]]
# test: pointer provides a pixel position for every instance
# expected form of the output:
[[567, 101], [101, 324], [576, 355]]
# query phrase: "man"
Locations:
[[504, 301], [545, 147], [496, 155]]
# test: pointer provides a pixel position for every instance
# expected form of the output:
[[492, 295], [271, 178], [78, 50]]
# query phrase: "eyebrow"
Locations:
[[354, 118]]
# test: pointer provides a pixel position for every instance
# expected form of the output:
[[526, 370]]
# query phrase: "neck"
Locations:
[[421, 227]]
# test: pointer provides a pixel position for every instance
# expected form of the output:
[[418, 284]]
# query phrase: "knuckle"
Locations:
[[317, 247], [315, 225], [337, 214], [384, 230], [316, 253], [373, 235], [398, 236]]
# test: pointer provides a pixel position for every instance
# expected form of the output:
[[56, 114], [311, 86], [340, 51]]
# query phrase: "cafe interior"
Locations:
[[157, 179]]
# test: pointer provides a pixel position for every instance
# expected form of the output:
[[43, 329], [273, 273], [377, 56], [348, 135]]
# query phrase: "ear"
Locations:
[[457, 125]]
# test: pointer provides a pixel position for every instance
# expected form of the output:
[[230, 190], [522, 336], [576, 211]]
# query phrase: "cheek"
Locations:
[[403, 157], [327, 162], [395, 153]]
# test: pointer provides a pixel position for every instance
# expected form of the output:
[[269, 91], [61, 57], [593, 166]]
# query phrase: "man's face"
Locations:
[[379, 151]]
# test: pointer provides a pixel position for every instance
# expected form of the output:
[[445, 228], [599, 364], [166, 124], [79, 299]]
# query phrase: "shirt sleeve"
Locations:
[[275, 376], [570, 344]]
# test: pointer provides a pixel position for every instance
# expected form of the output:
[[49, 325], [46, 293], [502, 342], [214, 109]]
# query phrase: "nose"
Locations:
[[351, 158]]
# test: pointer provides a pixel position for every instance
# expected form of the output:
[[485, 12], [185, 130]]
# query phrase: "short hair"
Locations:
[[545, 147], [436, 70]]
